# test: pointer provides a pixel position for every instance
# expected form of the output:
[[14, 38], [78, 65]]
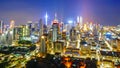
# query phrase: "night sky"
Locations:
[[105, 12]]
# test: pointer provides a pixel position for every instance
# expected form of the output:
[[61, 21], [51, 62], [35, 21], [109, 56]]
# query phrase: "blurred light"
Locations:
[[42, 37], [3, 34], [34, 37], [67, 58], [26, 38], [64, 30], [108, 33], [85, 27], [12, 22], [29, 22], [85, 45], [70, 21], [68, 64], [11, 32]]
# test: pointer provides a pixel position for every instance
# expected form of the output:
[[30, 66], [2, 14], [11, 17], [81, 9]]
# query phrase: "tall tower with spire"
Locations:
[[55, 27], [46, 19]]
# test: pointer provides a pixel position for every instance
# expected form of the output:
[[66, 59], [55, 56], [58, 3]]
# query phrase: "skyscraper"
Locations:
[[79, 20], [28, 28], [12, 24], [43, 49], [73, 34], [41, 27], [15, 33], [55, 27], [58, 47], [1, 27], [35, 28], [11, 30], [118, 44]]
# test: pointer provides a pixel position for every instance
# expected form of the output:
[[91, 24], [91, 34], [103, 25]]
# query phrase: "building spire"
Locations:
[[55, 20], [46, 18], [55, 16]]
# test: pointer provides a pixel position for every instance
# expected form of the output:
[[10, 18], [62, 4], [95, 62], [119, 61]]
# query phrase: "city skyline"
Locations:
[[59, 34], [105, 12]]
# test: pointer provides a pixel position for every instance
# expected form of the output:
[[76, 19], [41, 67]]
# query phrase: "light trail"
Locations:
[[108, 45]]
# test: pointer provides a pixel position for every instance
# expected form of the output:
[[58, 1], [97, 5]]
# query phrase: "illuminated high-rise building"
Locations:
[[58, 47], [91, 26], [35, 26], [85, 27], [55, 33], [45, 29], [9, 38], [50, 34], [55, 27], [69, 25], [15, 33], [79, 20], [43, 49], [73, 34], [41, 27], [35, 29], [1, 27], [64, 34], [28, 28], [21, 31], [12, 24], [118, 44], [85, 48], [11, 32], [61, 26], [24, 30]]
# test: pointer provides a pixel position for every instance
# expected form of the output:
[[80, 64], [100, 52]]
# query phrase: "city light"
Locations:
[[12, 23], [70, 21], [46, 18], [62, 38], [85, 45], [42, 37], [85, 27], [87, 40]]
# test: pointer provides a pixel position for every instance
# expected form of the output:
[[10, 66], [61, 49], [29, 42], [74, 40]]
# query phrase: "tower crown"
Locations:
[[55, 21]]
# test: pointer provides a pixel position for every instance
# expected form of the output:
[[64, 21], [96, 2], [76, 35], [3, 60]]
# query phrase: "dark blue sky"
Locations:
[[106, 12]]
